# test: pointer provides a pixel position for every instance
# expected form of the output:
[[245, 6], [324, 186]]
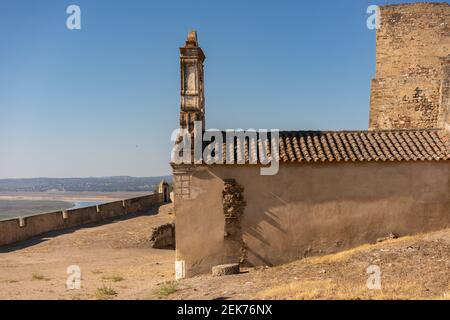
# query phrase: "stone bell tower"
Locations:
[[192, 83]]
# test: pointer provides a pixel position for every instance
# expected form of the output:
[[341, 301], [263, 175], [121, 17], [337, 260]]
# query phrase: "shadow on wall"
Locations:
[[320, 209]]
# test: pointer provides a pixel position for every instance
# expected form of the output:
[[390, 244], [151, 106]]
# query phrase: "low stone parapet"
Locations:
[[19, 229]]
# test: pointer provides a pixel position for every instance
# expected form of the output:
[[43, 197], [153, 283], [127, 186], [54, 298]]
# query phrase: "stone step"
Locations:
[[225, 269]]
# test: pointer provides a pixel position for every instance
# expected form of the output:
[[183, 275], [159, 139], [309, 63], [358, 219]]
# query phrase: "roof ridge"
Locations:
[[364, 131], [348, 131], [352, 145]]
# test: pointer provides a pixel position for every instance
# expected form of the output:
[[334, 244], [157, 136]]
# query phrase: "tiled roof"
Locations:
[[398, 145], [354, 146]]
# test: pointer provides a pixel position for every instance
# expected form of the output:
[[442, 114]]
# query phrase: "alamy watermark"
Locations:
[[73, 21], [374, 20], [73, 281], [374, 279], [232, 146]]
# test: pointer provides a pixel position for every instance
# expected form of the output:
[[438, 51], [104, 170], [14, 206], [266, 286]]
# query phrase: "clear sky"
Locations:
[[104, 100]]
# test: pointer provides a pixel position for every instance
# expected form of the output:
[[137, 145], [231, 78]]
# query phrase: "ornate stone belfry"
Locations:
[[192, 83]]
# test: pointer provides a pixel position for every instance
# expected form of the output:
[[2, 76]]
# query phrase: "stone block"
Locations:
[[225, 269]]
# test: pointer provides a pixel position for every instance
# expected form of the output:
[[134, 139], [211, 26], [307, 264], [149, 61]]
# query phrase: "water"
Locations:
[[11, 209], [84, 204]]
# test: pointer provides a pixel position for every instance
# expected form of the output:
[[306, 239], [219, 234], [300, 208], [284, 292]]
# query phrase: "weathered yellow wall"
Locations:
[[310, 209], [411, 82], [11, 231]]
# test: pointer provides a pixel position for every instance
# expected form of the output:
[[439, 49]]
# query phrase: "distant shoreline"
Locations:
[[23, 204], [70, 196], [12, 209], [93, 185]]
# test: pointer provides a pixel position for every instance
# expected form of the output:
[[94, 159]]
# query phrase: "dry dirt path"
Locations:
[[113, 256]]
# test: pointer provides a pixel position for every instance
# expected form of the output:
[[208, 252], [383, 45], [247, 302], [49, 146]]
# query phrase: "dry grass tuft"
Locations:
[[113, 278], [165, 289], [347, 254], [408, 272], [37, 276], [105, 293], [299, 290], [330, 289]]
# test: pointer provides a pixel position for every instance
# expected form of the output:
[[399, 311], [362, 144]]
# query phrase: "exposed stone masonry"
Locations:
[[163, 236], [225, 269], [413, 54], [182, 175], [233, 209]]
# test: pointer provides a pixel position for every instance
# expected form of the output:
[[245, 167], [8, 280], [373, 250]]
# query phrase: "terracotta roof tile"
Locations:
[[383, 145], [347, 146]]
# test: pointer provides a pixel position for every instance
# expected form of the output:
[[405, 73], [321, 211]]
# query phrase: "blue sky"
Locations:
[[104, 100]]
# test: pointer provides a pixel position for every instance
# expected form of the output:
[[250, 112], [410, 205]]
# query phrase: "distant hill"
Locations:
[[103, 184]]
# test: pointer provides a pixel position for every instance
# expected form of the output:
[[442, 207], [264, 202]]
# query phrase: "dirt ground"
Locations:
[[411, 268], [116, 262]]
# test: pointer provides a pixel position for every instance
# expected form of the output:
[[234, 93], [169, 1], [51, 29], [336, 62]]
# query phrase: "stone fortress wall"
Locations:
[[411, 86], [19, 229]]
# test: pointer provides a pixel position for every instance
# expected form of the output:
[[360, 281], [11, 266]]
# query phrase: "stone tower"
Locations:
[[411, 86], [192, 83]]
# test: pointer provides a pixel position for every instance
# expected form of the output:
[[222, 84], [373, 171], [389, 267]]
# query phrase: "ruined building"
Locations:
[[412, 82], [334, 189]]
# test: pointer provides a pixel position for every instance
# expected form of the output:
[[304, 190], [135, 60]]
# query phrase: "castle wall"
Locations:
[[413, 54], [305, 210], [445, 98], [14, 230]]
